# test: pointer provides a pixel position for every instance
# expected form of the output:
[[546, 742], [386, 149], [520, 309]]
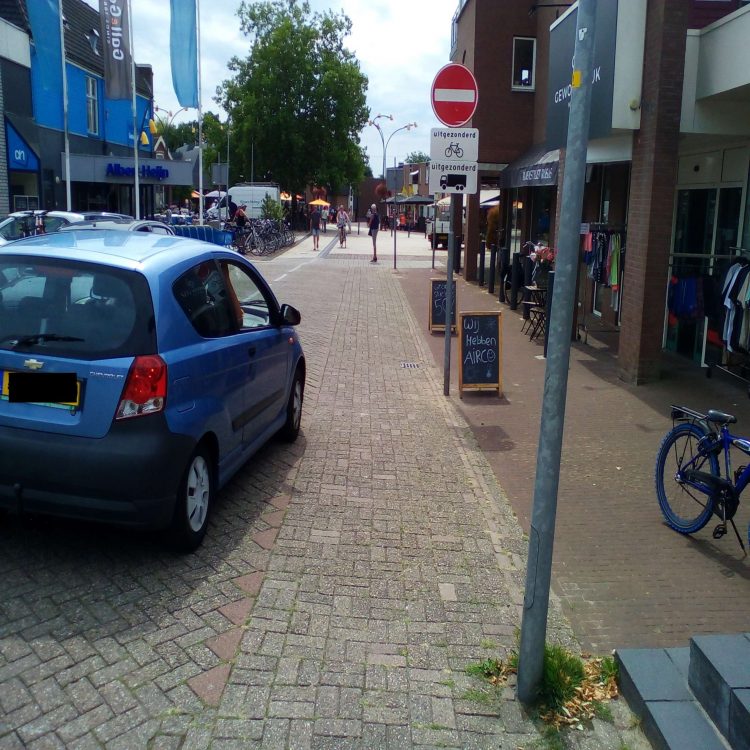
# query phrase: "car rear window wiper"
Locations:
[[37, 338]]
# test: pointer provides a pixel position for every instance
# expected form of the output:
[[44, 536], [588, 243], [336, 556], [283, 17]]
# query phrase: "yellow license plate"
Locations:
[[41, 390]]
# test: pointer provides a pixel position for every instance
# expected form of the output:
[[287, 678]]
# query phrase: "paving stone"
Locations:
[[225, 645], [209, 686], [342, 618]]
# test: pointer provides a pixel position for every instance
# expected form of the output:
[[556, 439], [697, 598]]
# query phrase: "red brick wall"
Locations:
[[485, 45], [652, 187]]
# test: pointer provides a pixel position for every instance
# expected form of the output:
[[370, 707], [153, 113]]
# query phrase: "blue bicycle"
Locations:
[[694, 478]]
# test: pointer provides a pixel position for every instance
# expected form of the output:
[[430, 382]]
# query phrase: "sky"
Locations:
[[400, 45]]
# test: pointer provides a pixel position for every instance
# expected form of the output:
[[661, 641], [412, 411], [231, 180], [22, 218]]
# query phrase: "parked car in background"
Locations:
[[139, 372], [122, 225], [30, 223]]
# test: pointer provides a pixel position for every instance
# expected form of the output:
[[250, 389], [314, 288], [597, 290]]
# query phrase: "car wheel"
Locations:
[[290, 430], [194, 500]]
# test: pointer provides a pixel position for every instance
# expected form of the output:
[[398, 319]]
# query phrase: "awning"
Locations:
[[488, 198], [536, 168]]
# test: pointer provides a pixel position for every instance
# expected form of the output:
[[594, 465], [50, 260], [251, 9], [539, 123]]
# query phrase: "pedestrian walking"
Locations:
[[324, 218], [374, 227], [315, 226]]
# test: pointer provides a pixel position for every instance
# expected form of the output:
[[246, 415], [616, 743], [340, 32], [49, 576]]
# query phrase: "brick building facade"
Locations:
[[667, 163]]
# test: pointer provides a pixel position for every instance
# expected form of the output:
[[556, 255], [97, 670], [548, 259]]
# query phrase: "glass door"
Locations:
[[705, 238]]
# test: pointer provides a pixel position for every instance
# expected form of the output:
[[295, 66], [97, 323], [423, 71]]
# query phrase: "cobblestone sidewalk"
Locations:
[[345, 584]]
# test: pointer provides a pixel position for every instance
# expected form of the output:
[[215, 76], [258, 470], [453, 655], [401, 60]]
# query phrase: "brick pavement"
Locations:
[[345, 582], [624, 578]]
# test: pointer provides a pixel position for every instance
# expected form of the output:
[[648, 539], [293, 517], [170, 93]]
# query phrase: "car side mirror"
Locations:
[[290, 315]]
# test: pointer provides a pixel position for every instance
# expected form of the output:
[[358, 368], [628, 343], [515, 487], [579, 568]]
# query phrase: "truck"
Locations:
[[438, 221], [251, 194]]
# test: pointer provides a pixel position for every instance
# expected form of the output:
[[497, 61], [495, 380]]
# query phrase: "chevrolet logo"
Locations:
[[33, 364]]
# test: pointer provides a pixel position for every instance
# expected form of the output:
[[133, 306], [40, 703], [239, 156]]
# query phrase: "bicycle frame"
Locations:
[[723, 441]]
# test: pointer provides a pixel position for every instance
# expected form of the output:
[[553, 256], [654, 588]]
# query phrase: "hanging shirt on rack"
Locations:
[[736, 278]]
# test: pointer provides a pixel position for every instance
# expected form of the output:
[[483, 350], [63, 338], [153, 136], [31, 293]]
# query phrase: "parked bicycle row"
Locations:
[[260, 236]]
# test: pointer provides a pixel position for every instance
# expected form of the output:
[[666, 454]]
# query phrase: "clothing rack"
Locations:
[[743, 376], [601, 228]]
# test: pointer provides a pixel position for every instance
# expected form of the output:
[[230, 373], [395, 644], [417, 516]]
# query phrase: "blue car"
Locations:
[[139, 373]]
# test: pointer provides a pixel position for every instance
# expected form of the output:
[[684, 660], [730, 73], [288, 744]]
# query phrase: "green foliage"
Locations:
[[416, 157], [484, 697], [298, 99], [603, 711], [487, 668], [609, 669], [562, 674], [552, 738], [271, 209]]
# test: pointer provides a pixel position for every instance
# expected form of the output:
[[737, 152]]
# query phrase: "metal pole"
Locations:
[[136, 134], [68, 198], [542, 532], [394, 233], [200, 112], [449, 301]]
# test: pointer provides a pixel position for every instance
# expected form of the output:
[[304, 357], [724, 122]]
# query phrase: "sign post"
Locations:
[[454, 97]]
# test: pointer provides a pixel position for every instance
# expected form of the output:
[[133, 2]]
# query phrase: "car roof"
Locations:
[[120, 224], [129, 250], [69, 215]]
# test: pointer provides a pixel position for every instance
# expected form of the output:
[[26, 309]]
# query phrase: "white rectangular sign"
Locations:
[[453, 176], [459, 144]]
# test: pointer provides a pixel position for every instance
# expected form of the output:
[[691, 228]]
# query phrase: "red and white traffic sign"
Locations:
[[454, 95]]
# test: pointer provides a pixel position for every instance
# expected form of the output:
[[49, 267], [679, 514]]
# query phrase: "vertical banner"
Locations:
[[115, 41], [183, 51]]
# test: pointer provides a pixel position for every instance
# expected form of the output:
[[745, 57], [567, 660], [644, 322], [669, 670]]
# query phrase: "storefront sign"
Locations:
[[21, 157], [562, 64], [145, 172]]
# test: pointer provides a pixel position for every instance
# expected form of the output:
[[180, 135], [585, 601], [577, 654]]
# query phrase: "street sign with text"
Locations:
[[453, 176], [454, 95], [454, 144]]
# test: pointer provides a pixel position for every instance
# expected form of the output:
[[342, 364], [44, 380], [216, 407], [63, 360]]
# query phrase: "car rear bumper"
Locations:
[[130, 477]]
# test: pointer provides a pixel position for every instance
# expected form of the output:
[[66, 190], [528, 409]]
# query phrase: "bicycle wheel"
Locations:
[[685, 508]]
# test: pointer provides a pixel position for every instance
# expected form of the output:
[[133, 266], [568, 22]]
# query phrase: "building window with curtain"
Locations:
[[524, 59], [92, 106]]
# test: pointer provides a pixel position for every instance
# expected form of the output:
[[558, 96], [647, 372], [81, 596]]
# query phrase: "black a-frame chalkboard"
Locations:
[[480, 351], [438, 303]]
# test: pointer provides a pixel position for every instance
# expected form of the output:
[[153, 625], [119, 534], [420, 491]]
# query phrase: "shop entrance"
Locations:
[[706, 232]]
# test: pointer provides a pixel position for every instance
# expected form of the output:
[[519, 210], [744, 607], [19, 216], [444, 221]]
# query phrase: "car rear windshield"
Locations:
[[76, 309]]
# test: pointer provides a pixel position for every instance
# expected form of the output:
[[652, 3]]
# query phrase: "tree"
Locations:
[[298, 101], [416, 157]]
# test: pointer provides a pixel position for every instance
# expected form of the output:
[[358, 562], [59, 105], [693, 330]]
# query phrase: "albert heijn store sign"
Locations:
[[617, 72], [121, 169]]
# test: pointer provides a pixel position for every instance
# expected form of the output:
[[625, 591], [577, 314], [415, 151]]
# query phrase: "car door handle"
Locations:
[[251, 351]]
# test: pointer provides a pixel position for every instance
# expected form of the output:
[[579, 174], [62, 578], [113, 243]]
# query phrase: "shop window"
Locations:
[[524, 59], [92, 106]]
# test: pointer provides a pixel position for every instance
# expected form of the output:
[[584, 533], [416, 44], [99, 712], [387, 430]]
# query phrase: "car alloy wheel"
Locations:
[[198, 493]]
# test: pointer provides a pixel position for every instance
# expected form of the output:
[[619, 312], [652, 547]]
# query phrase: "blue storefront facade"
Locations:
[[33, 120]]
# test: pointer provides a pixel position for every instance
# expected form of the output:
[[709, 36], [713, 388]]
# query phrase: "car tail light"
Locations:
[[145, 389]]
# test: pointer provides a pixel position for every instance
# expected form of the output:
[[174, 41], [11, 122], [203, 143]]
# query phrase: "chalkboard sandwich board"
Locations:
[[480, 351], [438, 288]]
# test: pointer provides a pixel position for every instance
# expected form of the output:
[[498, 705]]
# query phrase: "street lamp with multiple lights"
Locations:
[[170, 115], [383, 140]]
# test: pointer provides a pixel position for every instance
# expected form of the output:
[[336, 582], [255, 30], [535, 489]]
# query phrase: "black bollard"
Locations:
[[491, 278], [516, 281], [480, 269]]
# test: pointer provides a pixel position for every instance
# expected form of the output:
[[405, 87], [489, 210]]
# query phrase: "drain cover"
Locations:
[[409, 365]]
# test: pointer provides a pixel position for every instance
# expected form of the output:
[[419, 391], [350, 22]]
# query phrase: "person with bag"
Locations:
[[374, 224]]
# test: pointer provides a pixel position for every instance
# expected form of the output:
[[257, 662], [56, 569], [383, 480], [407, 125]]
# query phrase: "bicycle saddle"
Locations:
[[719, 417]]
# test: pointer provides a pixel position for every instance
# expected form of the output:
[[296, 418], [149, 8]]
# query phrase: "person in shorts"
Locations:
[[374, 227], [343, 224], [315, 226]]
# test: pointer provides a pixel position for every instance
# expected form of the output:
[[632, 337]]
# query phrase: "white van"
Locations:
[[250, 194]]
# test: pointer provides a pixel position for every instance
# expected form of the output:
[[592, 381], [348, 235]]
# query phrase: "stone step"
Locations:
[[719, 677], [654, 682]]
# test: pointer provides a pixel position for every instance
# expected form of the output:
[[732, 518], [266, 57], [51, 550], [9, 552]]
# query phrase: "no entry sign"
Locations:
[[454, 95]]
